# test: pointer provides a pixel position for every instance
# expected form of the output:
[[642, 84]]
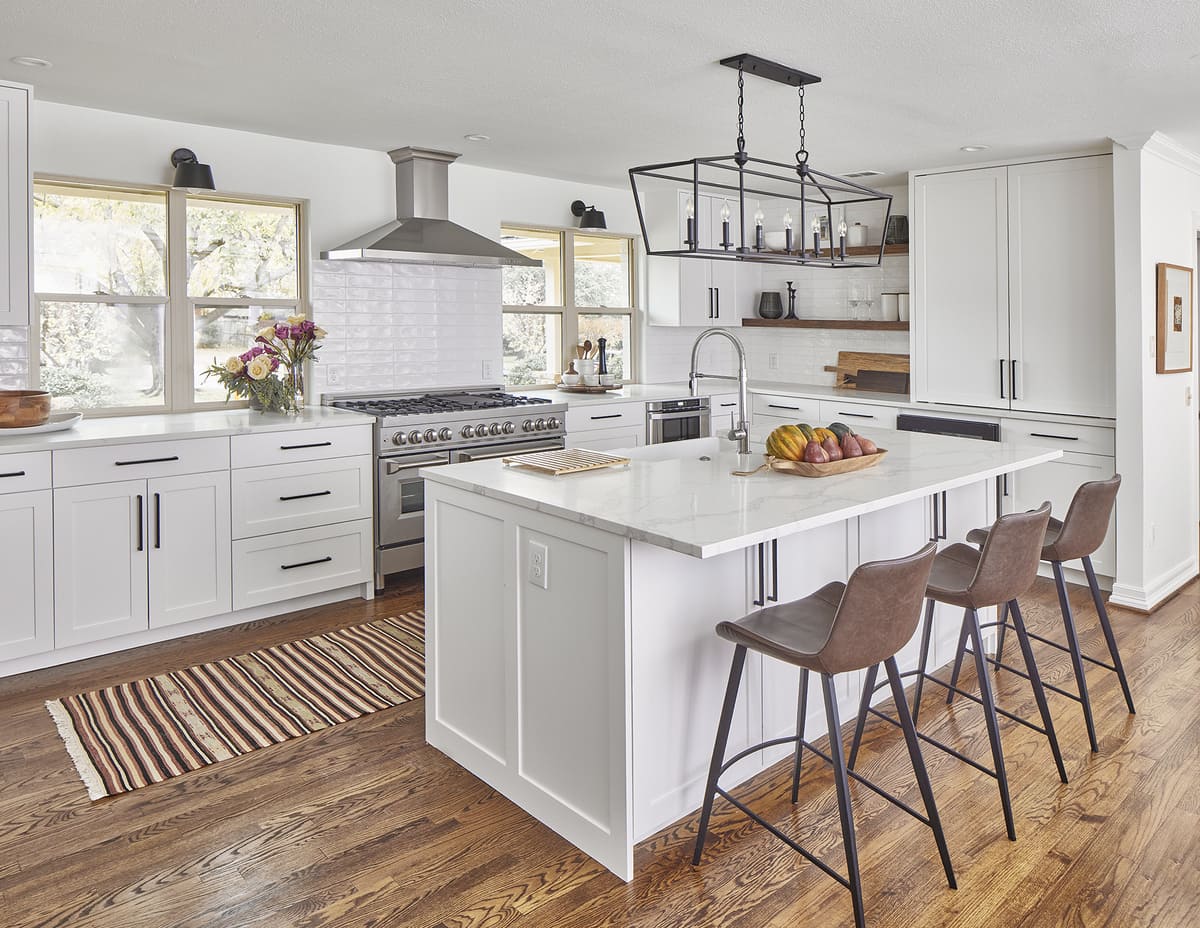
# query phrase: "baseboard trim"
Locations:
[[1146, 599]]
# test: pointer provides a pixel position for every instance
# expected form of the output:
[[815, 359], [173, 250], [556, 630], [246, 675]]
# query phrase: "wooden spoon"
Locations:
[[587, 347]]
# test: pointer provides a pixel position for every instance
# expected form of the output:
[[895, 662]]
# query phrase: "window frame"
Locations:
[[569, 311], [179, 375]]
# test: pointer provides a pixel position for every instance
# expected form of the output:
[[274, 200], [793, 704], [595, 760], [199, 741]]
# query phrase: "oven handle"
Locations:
[[686, 414], [397, 467], [465, 456]]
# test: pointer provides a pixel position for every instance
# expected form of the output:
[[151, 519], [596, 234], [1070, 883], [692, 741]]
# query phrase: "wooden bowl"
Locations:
[[844, 466], [21, 409]]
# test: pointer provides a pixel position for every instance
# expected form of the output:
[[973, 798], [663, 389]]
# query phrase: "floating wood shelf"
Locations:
[[868, 324]]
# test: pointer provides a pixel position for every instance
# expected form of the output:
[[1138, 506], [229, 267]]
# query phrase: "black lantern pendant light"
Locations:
[[589, 216], [756, 200], [190, 174]]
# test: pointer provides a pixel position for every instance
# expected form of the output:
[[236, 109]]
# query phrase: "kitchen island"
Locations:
[[571, 658]]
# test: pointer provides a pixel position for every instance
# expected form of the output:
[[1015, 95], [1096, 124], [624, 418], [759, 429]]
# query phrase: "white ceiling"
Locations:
[[585, 91]]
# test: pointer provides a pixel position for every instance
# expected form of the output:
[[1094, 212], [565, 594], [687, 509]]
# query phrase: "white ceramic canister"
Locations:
[[902, 308], [890, 306]]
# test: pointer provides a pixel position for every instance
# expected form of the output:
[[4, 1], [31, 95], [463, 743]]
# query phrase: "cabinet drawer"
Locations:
[[606, 416], [788, 408], [607, 439], [29, 471], [75, 467], [1081, 439], [290, 564], [856, 414], [302, 495], [302, 445]]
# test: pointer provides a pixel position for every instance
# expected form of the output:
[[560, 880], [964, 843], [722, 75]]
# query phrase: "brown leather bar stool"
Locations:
[[1004, 569], [840, 628], [1077, 537]]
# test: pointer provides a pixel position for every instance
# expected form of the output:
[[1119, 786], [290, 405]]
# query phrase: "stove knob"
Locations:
[[552, 422], [540, 425], [481, 430], [399, 439], [509, 428], [468, 431], [414, 437], [494, 428], [445, 435], [431, 435], [527, 425]]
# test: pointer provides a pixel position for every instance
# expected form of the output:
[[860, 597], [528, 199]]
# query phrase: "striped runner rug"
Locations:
[[131, 735]]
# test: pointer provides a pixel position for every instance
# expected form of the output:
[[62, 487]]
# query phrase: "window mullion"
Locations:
[[179, 354], [570, 323]]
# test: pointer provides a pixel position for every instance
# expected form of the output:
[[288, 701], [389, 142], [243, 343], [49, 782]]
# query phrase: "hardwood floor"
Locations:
[[363, 824]]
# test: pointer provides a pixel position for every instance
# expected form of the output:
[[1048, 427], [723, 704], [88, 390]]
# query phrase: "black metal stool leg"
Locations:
[[958, 659], [863, 706], [1064, 605], [926, 634], [993, 725], [843, 798], [918, 764], [1039, 693], [1106, 627], [718, 757], [801, 718]]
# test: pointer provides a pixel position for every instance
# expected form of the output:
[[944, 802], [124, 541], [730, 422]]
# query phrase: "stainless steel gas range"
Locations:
[[431, 429]]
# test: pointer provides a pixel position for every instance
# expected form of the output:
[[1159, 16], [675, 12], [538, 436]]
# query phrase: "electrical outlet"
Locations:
[[539, 565], [488, 372], [333, 374], [773, 362]]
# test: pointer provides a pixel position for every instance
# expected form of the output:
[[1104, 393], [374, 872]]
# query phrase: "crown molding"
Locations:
[[1165, 147]]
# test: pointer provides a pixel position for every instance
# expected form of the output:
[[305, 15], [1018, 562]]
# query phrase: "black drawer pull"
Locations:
[[792, 408], [856, 415], [1056, 437], [173, 457], [320, 560], [288, 499], [615, 415], [726, 405], [315, 444], [15, 473]]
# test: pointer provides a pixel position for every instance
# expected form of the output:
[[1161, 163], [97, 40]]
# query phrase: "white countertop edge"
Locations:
[[741, 542]]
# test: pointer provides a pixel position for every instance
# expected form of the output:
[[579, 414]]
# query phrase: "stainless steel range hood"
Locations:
[[423, 232]]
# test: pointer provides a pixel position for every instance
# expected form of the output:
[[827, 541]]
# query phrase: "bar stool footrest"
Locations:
[[1011, 716], [1066, 650], [970, 761], [1000, 665]]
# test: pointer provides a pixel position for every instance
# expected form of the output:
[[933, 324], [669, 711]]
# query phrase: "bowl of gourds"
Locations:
[[820, 452]]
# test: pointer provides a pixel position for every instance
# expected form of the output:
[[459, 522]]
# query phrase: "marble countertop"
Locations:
[[682, 495], [117, 430], [635, 393]]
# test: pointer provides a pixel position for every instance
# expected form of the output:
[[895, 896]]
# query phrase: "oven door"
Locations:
[[676, 426], [401, 497], [503, 451]]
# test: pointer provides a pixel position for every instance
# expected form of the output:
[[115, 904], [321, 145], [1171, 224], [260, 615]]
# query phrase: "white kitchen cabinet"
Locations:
[[858, 415], [608, 439], [1062, 314], [720, 407], [26, 573], [1013, 287], [100, 562], [16, 201], [960, 286], [189, 547]]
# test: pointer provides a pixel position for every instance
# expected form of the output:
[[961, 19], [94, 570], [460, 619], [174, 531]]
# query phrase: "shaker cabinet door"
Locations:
[[26, 574], [190, 547]]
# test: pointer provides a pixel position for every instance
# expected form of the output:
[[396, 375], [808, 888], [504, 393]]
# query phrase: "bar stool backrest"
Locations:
[[1086, 524], [1009, 560], [879, 611]]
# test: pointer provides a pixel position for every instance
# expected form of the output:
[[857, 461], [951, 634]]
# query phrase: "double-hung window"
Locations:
[[584, 289], [138, 290]]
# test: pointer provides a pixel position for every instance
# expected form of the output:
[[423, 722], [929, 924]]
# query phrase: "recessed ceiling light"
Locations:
[[477, 137], [974, 148], [28, 62]]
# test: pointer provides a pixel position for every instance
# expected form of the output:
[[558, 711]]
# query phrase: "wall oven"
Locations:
[[677, 420]]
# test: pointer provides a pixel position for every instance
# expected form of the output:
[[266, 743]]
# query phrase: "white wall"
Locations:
[[1157, 215]]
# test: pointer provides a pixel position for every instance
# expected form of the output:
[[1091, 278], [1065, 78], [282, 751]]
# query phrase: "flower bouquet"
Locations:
[[294, 341], [254, 375]]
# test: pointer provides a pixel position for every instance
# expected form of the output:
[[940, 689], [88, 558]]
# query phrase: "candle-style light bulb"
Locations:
[[758, 217], [816, 234], [842, 239], [842, 227], [787, 231], [689, 237], [725, 242], [725, 211], [691, 209], [816, 226], [787, 219], [758, 230]]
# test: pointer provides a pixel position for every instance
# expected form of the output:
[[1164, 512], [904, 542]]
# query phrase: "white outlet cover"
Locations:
[[539, 565]]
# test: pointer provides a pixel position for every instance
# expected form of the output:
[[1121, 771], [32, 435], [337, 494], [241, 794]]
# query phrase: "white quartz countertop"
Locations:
[[117, 430], [636, 393], [682, 496]]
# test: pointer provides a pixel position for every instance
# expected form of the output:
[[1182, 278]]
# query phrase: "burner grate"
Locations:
[[434, 403]]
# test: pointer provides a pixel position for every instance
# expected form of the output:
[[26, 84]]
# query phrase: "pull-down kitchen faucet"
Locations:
[[740, 432]]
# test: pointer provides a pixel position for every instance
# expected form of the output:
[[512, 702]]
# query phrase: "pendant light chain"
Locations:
[[802, 152], [741, 137]]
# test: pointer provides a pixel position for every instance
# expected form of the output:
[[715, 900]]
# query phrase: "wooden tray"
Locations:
[[844, 466], [566, 461], [581, 388]]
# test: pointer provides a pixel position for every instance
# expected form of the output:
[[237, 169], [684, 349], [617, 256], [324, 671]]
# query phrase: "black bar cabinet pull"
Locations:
[[774, 597], [173, 457], [288, 499], [717, 291], [1055, 437], [1012, 380], [762, 578], [856, 415], [157, 521], [937, 532], [1002, 396], [792, 408], [141, 540], [320, 560], [945, 517], [15, 473], [315, 444], [611, 415]]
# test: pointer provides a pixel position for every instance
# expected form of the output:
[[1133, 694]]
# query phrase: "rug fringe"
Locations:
[[70, 738]]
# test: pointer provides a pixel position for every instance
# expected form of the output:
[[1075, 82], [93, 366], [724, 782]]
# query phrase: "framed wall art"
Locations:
[[1174, 319]]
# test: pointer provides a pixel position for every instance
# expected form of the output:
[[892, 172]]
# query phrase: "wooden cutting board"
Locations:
[[865, 370]]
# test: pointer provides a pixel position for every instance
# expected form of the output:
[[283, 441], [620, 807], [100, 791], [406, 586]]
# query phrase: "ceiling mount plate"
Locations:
[[771, 70]]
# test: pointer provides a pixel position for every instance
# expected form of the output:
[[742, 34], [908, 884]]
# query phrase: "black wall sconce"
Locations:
[[589, 216], [190, 174]]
